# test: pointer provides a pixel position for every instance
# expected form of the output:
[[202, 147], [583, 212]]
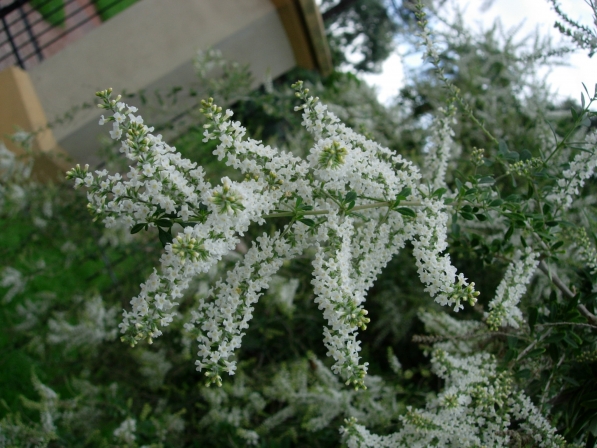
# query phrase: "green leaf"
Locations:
[[512, 156], [165, 236], [554, 338], [535, 353], [589, 404], [533, 316], [566, 224], [576, 337], [404, 193], [510, 355], [503, 147], [137, 228], [439, 192], [525, 154], [509, 233], [351, 196], [458, 184], [557, 245], [481, 217], [307, 221], [570, 340], [523, 373], [467, 216], [164, 223], [496, 203], [531, 191], [486, 180], [406, 212]]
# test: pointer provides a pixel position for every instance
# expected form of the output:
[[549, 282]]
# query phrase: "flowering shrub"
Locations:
[[344, 183], [379, 245]]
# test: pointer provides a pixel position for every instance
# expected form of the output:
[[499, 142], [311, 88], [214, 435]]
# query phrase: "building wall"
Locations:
[[151, 46]]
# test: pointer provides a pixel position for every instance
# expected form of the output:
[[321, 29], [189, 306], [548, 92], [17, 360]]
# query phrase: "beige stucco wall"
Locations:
[[151, 46]]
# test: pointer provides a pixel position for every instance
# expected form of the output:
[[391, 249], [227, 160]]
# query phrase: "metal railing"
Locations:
[[26, 37]]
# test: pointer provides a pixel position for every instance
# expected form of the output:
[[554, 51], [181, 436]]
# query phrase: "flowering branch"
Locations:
[[341, 169]]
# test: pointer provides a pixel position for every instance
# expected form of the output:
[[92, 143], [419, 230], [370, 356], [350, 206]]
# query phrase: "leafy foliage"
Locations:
[[63, 278]]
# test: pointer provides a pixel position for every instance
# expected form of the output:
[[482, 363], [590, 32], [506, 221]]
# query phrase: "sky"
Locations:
[[566, 81]]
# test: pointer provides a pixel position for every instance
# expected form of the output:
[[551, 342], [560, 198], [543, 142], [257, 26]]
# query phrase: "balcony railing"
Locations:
[[33, 30]]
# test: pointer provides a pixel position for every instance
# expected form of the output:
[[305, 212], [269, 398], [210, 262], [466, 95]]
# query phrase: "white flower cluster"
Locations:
[[153, 366], [503, 308], [440, 148], [344, 173], [459, 334], [126, 431], [13, 279], [586, 251], [573, 178], [222, 318], [95, 324], [476, 408]]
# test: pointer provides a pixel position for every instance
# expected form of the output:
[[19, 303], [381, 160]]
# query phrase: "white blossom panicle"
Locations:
[[282, 292], [95, 324], [503, 309], [436, 270], [343, 173], [581, 168], [476, 408], [153, 366], [340, 300], [458, 334], [126, 431], [439, 148], [223, 317], [48, 406], [394, 362], [12, 279], [586, 250]]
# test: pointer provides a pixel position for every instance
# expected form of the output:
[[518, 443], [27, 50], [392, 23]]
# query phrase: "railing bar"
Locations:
[[40, 56], [109, 5], [41, 19], [28, 28], [60, 36], [14, 49], [50, 27], [5, 10]]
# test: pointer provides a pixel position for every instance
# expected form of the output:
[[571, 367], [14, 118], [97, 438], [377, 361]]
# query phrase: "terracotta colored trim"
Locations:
[[20, 108], [316, 32], [292, 20]]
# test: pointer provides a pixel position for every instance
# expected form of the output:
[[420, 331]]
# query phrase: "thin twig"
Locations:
[[354, 209], [532, 345], [566, 291], [546, 390], [577, 324], [556, 280]]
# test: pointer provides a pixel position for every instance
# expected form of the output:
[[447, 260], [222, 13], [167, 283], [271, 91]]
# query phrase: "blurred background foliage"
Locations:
[[66, 380]]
